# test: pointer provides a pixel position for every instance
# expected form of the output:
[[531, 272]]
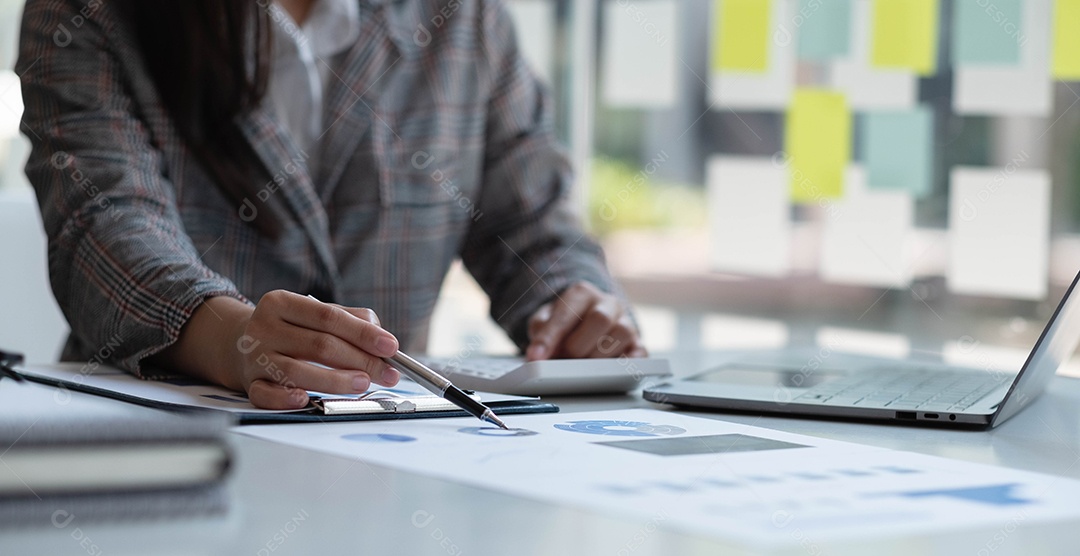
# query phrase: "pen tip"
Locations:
[[490, 417]]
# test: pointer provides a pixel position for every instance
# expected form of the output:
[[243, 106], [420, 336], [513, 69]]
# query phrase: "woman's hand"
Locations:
[[289, 336], [281, 348], [581, 322]]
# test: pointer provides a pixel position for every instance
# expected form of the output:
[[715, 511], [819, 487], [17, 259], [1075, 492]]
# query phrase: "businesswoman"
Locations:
[[203, 165]]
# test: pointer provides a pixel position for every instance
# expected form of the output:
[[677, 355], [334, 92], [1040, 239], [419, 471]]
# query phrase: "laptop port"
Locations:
[[930, 415], [905, 415]]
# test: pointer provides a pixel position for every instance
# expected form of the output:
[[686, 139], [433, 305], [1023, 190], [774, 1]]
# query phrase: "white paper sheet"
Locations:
[[749, 215], [999, 226], [717, 479], [534, 21], [867, 87], [768, 90], [865, 238], [1023, 90], [639, 57]]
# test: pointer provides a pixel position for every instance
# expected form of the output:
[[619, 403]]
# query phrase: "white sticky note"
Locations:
[[11, 104], [639, 56], [865, 238], [761, 90], [749, 216], [853, 340], [534, 21], [720, 331], [969, 352], [1026, 89], [999, 228], [869, 87]]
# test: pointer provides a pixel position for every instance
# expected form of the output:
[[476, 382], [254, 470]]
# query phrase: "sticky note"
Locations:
[[1025, 89], [897, 149], [824, 29], [860, 340], [999, 231], [749, 216], [1067, 40], [865, 234], [987, 32], [722, 331], [905, 35], [758, 90], [639, 60], [534, 22], [742, 38], [817, 144], [865, 86]]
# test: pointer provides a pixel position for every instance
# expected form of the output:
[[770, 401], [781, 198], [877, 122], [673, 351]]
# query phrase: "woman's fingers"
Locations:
[[294, 373], [271, 395], [583, 322], [326, 349], [552, 323], [309, 313], [293, 344]]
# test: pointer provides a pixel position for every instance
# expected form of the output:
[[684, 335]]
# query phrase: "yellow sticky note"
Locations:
[[1067, 40], [817, 142], [741, 39], [905, 35]]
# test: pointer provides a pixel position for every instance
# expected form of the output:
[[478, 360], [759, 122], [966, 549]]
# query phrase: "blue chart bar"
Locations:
[[994, 495]]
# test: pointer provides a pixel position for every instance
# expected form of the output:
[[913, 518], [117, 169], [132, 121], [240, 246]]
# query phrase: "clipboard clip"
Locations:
[[8, 361], [382, 401]]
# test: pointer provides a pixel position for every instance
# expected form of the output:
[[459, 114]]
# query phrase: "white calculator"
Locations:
[[553, 377]]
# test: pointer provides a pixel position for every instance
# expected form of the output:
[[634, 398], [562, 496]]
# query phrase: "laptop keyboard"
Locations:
[[923, 389]]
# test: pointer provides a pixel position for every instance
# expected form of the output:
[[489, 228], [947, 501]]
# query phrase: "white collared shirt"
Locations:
[[300, 72]]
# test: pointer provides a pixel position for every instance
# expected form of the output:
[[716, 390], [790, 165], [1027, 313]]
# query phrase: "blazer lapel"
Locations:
[[352, 100], [289, 179]]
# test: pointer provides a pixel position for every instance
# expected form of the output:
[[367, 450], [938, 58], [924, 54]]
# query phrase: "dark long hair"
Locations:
[[210, 62]]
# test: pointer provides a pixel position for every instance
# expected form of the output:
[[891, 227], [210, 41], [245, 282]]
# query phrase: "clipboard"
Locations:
[[181, 393]]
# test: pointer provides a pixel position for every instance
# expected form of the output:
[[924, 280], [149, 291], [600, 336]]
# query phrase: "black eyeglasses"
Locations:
[[8, 361]]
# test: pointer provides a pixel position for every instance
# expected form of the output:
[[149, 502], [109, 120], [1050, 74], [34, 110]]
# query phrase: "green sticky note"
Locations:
[[987, 32], [897, 149], [817, 143], [1067, 40], [824, 28], [905, 35], [741, 41]]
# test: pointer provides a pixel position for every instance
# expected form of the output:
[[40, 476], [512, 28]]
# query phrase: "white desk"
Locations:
[[289, 501]]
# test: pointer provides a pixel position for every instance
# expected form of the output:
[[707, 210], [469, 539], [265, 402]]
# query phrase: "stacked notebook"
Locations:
[[66, 453]]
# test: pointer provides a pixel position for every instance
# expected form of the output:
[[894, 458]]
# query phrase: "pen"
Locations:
[[441, 386]]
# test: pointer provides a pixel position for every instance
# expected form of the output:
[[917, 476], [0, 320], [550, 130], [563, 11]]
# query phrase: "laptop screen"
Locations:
[[1055, 346]]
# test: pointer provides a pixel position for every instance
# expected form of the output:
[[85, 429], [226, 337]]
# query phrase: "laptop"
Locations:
[[897, 391]]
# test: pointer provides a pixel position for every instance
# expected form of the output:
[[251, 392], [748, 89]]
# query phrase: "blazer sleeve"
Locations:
[[527, 245], [124, 272]]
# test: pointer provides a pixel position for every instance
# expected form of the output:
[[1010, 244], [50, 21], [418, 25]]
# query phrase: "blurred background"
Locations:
[[896, 177]]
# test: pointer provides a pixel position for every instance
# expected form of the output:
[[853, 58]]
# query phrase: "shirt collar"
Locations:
[[331, 27]]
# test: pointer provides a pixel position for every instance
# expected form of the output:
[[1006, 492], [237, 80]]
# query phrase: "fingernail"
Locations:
[[536, 351], [299, 396], [360, 383], [386, 346], [390, 376]]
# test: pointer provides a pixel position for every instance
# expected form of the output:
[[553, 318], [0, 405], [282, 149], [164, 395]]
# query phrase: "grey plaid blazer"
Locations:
[[440, 146]]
